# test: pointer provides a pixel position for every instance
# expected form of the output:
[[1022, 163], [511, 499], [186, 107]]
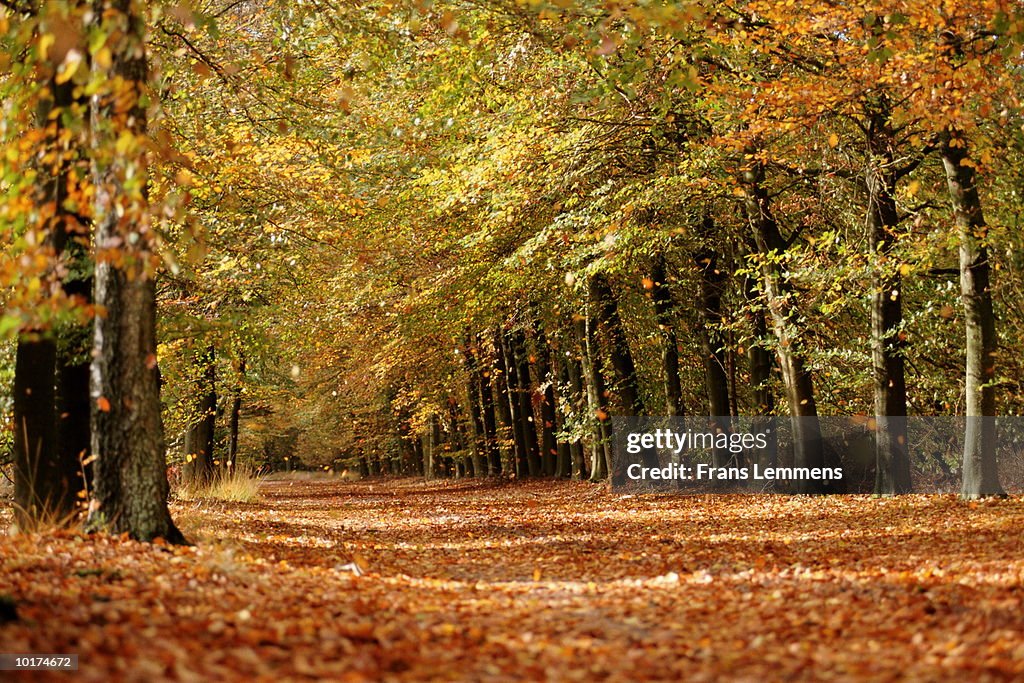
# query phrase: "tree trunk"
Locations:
[[519, 420], [36, 496], [716, 376], [235, 417], [199, 440], [477, 420], [525, 400], [130, 492], [759, 361], [563, 464], [549, 419], [601, 448], [51, 427], [492, 449], [505, 430], [578, 397], [892, 462], [622, 361], [980, 474], [665, 316], [808, 449]]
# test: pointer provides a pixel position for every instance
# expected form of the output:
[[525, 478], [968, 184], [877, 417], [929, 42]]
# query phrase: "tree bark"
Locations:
[[492, 450], [759, 361], [199, 440], [578, 398], [628, 384], [549, 418], [716, 377], [519, 420], [36, 496], [980, 473], [235, 417], [505, 431], [130, 492], [525, 401], [808, 449], [665, 316], [601, 447], [892, 462], [51, 425]]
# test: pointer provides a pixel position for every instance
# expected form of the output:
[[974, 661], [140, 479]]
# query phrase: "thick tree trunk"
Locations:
[[665, 316], [36, 496], [49, 455], [130, 492], [980, 474], [808, 449], [892, 462], [199, 440]]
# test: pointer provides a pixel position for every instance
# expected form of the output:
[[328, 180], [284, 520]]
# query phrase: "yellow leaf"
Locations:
[[913, 187], [67, 70], [102, 57], [833, 140]]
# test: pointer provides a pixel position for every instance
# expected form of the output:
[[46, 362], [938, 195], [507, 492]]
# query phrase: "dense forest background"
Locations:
[[451, 238]]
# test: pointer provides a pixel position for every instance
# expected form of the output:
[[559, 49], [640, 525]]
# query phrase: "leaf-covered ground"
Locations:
[[538, 581]]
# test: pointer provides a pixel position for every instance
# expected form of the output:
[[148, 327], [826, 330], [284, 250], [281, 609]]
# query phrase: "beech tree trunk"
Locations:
[[235, 417], [51, 385], [621, 357], [808, 449], [524, 398], [492, 449], [199, 440], [598, 414], [665, 315], [130, 492], [505, 427], [716, 376], [549, 419], [759, 360], [519, 420], [892, 462], [35, 466], [980, 474], [577, 391]]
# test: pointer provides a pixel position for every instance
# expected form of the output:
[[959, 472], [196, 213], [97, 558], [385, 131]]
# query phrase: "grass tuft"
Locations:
[[241, 485]]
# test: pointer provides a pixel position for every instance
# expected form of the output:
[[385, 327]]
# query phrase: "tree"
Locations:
[[131, 489]]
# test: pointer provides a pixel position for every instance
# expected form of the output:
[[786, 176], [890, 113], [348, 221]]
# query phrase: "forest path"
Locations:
[[474, 580]]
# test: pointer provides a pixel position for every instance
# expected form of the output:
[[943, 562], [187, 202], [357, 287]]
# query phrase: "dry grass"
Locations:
[[241, 485]]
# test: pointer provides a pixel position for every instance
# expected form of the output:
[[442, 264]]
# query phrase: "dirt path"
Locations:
[[535, 581]]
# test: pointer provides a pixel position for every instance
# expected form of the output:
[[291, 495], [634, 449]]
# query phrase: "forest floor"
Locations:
[[484, 581]]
